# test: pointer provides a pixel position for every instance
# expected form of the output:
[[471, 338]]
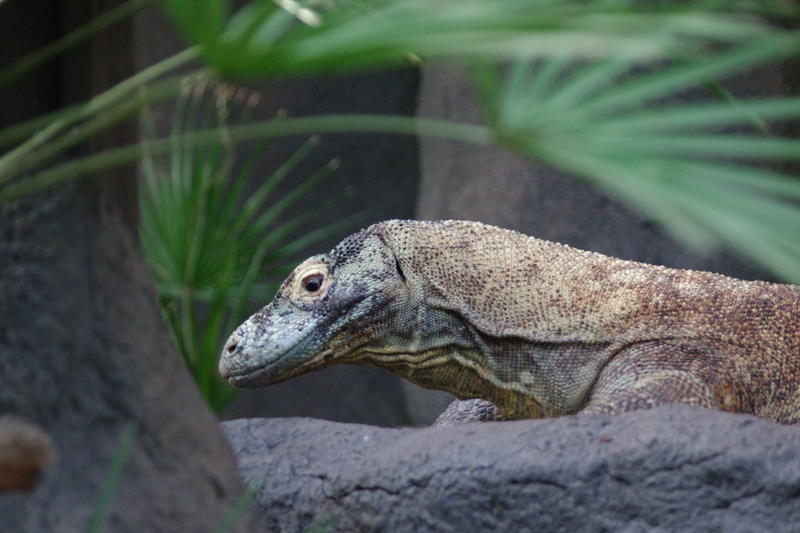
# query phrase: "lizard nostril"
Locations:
[[231, 347]]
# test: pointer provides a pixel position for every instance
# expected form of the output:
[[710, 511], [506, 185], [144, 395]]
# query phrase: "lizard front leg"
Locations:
[[640, 377], [613, 396], [648, 375], [662, 387]]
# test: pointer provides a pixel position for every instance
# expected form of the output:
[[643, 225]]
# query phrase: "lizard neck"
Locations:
[[525, 323], [440, 349], [466, 381]]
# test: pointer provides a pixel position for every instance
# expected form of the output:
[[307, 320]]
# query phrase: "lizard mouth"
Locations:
[[275, 370], [293, 361], [248, 378], [264, 374]]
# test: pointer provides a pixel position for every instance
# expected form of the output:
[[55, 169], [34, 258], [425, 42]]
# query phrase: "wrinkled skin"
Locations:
[[328, 310]]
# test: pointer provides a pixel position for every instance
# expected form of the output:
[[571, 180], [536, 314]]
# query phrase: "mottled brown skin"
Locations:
[[535, 327]]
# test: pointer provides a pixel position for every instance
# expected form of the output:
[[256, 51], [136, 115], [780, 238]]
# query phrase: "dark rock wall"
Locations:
[[83, 349], [83, 352]]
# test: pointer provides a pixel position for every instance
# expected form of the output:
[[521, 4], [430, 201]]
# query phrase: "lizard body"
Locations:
[[535, 327]]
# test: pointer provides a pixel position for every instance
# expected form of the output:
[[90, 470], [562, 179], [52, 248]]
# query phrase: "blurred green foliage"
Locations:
[[590, 94], [216, 247], [682, 164]]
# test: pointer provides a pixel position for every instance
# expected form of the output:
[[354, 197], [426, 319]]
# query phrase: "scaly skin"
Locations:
[[535, 327]]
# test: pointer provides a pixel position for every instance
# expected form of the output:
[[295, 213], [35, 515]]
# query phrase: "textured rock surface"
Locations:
[[84, 351], [675, 468]]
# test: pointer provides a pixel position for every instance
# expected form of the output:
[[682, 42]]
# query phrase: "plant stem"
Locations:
[[41, 55], [273, 128], [109, 488], [80, 133], [188, 318], [97, 104]]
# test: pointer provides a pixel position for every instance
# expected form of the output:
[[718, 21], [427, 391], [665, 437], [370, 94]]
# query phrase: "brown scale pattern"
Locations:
[[714, 340], [665, 335], [543, 329]]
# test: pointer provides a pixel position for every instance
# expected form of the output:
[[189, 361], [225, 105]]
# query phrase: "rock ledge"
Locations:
[[675, 468]]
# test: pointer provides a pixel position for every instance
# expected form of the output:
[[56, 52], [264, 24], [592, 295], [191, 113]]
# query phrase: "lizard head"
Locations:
[[328, 309]]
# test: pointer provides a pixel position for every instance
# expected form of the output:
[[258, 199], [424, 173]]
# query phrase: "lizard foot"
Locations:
[[465, 411]]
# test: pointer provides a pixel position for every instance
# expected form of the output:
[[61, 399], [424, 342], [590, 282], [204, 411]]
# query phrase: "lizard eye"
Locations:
[[312, 283], [311, 280]]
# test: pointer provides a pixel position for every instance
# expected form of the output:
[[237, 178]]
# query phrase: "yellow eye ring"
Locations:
[[311, 280]]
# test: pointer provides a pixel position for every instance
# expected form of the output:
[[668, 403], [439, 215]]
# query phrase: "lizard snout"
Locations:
[[227, 363], [232, 343]]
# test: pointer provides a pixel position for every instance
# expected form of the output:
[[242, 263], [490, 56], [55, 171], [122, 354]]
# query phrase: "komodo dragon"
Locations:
[[534, 327]]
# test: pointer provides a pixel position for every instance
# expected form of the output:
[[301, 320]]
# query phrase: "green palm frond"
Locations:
[[694, 167], [215, 250], [590, 104], [269, 37]]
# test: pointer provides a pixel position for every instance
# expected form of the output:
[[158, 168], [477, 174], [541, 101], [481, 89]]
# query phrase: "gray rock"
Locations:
[[675, 468], [84, 352]]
